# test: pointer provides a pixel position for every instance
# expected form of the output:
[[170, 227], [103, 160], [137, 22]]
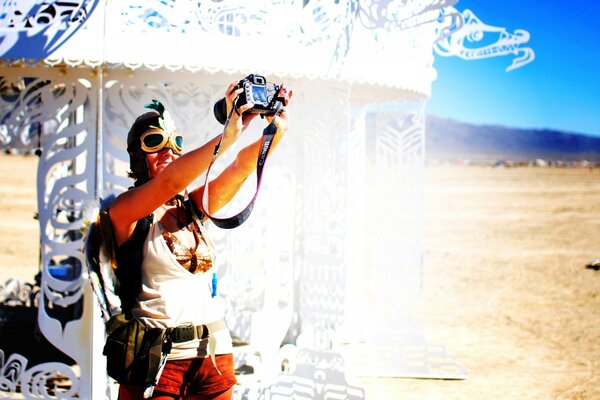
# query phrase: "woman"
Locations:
[[177, 256]]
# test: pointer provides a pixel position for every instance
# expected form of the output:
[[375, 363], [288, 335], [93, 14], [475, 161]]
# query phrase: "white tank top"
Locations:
[[172, 296]]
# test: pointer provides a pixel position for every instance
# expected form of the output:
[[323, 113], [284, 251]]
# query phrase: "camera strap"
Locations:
[[238, 219]]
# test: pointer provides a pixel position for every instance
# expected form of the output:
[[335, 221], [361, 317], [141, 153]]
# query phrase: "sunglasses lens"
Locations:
[[179, 141], [153, 140]]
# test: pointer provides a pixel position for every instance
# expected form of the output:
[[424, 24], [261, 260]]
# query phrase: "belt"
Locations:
[[183, 333], [187, 332]]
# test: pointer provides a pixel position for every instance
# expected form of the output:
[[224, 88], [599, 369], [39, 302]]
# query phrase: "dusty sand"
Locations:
[[506, 289], [20, 232]]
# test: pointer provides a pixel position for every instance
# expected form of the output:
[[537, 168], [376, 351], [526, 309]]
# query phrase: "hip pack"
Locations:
[[134, 353]]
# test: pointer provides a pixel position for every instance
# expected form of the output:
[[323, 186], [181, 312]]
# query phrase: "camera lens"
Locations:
[[220, 111]]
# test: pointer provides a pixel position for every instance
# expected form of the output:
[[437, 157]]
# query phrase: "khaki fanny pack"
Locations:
[[136, 354], [133, 351]]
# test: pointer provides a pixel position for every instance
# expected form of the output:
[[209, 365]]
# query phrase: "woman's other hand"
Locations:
[[239, 121], [282, 119]]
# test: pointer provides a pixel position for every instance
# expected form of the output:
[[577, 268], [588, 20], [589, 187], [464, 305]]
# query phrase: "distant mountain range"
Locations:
[[447, 139]]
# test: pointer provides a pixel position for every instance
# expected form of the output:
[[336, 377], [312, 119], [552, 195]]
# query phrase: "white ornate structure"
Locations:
[[324, 280]]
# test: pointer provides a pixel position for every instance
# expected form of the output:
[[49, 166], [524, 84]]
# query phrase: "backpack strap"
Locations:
[[129, 258]]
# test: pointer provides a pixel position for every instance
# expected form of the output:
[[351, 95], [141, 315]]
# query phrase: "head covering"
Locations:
[[157, 119], [138, 164]]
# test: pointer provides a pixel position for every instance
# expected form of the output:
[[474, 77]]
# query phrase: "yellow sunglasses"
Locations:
[[155, 140]]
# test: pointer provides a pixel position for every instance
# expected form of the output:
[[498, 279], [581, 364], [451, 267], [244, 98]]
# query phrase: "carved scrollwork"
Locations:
[[11, 371], [50, 381], [312, 38], [50, 111], [35, 29], [461, 35]]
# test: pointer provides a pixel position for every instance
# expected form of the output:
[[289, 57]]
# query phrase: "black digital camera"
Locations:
[[268, 98]]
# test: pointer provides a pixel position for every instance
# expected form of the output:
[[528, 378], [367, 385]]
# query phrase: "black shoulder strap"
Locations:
[[129, 265], [238, 219], [192, 210]]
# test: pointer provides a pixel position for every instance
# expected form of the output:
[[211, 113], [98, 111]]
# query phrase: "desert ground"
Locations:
[[506, 287]]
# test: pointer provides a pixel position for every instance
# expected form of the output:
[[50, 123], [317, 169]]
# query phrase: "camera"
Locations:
[[268, 98]]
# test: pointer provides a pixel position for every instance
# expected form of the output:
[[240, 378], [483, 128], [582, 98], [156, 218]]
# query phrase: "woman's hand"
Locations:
[[282, 120], [239, 121]]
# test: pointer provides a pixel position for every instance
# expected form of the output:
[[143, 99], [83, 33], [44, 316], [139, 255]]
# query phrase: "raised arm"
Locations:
[[174, 174], [225, 186]]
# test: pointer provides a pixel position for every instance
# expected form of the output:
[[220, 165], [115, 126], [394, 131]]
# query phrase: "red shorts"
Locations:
[[195, 376]]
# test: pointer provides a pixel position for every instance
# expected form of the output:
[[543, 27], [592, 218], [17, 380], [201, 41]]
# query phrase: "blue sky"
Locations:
[[559, 90]]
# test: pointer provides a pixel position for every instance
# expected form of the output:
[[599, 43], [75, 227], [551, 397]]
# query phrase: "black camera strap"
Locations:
[[238, 219]]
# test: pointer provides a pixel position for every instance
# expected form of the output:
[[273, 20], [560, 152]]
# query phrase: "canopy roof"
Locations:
[[373, 42]]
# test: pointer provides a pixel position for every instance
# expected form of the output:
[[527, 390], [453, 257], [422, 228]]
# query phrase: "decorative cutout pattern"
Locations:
[[462, 34], [52, 112], [11, 372], [35, 29], [316, 375], [316, 38], [50, 381]]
